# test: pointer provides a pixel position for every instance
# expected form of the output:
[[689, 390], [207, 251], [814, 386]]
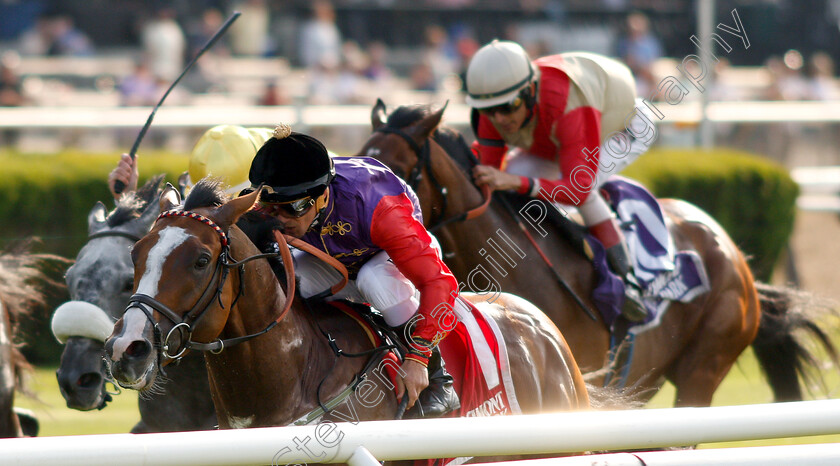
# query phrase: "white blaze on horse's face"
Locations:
[[170, 238], [134, 320]]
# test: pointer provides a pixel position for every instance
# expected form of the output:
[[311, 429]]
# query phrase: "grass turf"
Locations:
[[743, 385]]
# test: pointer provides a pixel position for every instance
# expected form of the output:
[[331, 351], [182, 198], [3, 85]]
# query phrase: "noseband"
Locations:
[[186, 324]]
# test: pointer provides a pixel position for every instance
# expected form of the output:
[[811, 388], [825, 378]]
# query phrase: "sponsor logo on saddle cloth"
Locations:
[[664, 274]]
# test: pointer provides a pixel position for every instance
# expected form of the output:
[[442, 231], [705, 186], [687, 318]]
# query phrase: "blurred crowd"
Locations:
[[335, 67]]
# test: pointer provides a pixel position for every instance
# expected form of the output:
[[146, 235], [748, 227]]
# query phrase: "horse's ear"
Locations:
[[377, 115], [424, 128], [227, 214], [169, 198], [96, 217], [150, 213]]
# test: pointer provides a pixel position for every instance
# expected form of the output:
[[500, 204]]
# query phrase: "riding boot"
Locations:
[[618, 258], [439, 398], [634, 309]]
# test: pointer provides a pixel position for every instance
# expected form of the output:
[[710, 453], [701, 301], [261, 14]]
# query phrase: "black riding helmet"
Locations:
[[291, 166]]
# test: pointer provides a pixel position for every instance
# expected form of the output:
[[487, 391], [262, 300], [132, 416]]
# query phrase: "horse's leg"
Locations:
[[729, 324]]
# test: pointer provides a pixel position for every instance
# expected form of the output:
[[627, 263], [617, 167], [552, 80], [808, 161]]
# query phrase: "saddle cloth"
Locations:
[[664, 274], [476, 356]]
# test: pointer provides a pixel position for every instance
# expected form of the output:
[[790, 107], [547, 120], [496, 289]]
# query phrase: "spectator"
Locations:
[[639, 49], [821, 84], [786, 81], [377, 70], [273, 95], [164, 44], [139, 88], [439, 55], [320, 39], [203, 29], [11, 94], [249, 35], [65, 39]]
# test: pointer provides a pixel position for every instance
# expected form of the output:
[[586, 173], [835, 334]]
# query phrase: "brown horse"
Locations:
[[267, 370], [696, 343]]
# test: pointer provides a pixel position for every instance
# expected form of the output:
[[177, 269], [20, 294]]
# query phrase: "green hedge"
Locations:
[[753, 199], [50, 196]]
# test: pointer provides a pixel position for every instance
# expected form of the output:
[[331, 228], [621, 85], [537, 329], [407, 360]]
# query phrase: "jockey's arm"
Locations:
[[405, 239], [490, 150], [579, 134]]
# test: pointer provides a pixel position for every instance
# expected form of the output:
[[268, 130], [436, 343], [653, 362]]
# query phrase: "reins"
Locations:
[[424, 161], [148, 304], [185, 325]]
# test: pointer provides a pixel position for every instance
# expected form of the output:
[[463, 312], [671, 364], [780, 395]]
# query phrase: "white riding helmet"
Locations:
[[226, 151], [497, 73]]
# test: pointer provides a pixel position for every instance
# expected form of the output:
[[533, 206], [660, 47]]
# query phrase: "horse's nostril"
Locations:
[[138, 349], [89, 380]]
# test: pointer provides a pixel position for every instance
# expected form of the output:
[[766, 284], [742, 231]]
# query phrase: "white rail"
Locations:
[[823, 454], [202, 116], [393, 440]]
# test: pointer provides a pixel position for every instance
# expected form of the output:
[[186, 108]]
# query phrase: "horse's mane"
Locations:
[[131, 205], [208, 192], [258, 228], [449, 139]]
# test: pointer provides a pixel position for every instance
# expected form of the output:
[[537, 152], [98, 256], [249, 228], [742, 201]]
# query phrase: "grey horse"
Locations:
[[100, 283]]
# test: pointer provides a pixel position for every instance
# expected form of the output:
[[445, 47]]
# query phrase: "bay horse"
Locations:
[[201, 283], [696, 343], [23, 286], [100, 283]]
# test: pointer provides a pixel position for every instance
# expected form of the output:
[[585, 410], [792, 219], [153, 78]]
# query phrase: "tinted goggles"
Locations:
[[504, 109], [271, 203]]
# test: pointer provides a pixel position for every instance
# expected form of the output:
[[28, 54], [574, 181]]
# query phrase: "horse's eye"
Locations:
[[202, 261], [129, 285]]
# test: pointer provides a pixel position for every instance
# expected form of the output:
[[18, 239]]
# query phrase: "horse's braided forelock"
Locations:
[[200, 218]]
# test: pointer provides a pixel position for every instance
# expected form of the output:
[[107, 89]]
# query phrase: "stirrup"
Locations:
[[634, 309]]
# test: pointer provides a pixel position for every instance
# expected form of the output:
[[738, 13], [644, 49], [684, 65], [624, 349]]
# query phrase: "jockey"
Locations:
[[223, 151], [556, 113], [358, 211]]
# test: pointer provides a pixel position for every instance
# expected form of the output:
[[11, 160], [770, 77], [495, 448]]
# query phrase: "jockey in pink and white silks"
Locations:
[[566, 119]]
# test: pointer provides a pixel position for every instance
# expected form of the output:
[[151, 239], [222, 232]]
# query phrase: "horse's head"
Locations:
[[100, 283], [400, 140], [181, 294]]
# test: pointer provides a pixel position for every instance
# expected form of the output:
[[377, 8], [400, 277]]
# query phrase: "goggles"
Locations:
[[505, 108], [271, 202]]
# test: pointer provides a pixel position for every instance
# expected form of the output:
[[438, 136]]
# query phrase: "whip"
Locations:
[[119, 186]]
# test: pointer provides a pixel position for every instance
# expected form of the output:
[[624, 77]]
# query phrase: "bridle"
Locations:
[[224, 263], [424, 162]]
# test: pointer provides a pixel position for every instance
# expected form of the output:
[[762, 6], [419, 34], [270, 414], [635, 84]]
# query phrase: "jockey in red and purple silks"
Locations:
[[359, 212]]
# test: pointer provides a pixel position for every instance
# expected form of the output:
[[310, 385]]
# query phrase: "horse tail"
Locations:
[[779, 347]]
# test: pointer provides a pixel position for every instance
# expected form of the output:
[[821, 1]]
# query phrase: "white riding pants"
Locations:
[[378, 283]]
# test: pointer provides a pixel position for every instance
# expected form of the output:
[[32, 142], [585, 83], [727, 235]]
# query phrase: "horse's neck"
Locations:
[[275, 375], [462, 194]]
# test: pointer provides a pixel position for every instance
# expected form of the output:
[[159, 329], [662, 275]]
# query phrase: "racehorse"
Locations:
[[696, 343], [200, 283], [100, 283], [21, 283]]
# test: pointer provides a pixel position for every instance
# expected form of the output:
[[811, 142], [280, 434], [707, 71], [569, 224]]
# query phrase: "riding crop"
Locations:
[[545, 259], [119, 186]]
